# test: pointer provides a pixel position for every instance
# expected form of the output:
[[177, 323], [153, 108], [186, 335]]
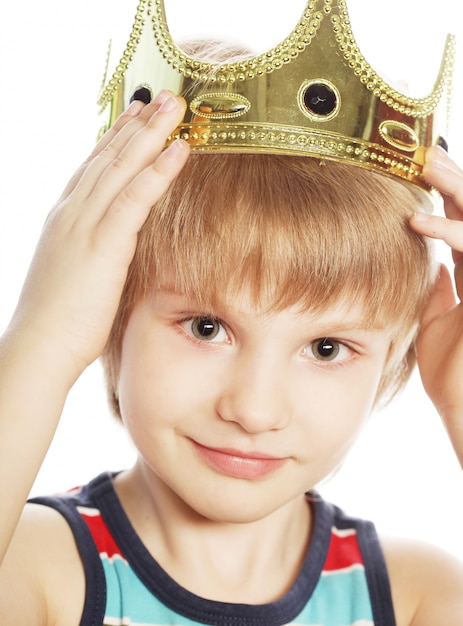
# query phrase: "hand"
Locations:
[[76, 278], [440, 343]]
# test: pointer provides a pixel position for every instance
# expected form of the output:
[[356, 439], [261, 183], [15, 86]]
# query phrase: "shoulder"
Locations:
[[41, 556], [426, 583]]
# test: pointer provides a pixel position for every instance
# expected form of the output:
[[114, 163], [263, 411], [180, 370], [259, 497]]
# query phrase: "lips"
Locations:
[[249, 465]]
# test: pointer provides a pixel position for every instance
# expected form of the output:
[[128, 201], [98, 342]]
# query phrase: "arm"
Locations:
[[426, 583], [440, 343], [73, 288]]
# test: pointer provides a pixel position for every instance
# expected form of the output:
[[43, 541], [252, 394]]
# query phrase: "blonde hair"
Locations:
[[294, 231]]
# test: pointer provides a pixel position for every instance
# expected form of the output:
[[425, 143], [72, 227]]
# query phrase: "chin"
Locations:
[[243, 509]]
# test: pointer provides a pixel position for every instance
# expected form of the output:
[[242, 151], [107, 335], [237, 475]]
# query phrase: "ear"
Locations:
[[441, 298]]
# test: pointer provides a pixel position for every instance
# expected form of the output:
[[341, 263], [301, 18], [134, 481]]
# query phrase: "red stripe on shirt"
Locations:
[[101, 535], [343, 552]]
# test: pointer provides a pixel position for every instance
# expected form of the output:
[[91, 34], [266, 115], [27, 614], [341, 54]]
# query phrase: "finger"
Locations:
[[112, 142], [119, 133], [444, 174], [436, 227], [139, 152], [134, 109], [131, 208], [437, 153], [441, 298]]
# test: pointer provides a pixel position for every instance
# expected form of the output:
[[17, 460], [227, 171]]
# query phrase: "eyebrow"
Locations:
[[359, 326], [328, 329], [194, 305]]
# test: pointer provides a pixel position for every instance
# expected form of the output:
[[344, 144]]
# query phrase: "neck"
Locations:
[[252, 562]]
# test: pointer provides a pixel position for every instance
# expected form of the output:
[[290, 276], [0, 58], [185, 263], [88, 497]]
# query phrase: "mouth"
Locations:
[[246, 465]]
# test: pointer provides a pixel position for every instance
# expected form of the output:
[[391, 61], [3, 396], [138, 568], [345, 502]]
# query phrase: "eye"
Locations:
[[206, 329], [328, 349]]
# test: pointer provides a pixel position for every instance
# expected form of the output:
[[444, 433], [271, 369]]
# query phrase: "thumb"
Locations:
[[441, 298]]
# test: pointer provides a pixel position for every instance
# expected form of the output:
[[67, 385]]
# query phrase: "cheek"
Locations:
[[145, 402], [158, 384], [339, 404], [142, 382]]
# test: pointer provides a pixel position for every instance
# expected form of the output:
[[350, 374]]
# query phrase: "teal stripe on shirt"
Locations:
[[339, 599]]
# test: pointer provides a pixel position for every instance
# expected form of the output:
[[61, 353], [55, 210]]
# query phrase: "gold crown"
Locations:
[[313, 94]]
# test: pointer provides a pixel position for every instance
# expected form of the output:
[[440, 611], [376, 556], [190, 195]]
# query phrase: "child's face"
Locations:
[[239, 412]]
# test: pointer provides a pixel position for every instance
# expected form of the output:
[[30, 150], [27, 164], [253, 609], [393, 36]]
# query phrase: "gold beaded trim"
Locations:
[[278, 139], [274, 59], [134, 39], [414, 107], [240, 71]]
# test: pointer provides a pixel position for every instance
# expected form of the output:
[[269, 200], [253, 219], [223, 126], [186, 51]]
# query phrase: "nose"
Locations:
[[256, 394]]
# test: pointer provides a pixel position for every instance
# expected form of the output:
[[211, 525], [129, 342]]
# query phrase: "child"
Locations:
[[248, 323]]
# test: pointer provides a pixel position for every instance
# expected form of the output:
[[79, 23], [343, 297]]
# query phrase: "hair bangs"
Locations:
[[284, 229]]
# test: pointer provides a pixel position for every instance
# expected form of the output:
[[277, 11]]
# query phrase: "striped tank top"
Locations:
[[343, 580]]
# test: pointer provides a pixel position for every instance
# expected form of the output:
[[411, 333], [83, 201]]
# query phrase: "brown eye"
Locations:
[[205, 328], [325, 349]]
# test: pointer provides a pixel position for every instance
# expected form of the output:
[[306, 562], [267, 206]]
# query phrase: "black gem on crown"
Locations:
[[143, 94], [320, 100], [443, 143]]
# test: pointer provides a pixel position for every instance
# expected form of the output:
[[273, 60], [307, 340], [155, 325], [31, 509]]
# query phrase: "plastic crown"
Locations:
[[314, 94]]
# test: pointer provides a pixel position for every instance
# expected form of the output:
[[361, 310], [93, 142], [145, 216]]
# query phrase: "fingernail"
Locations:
[[165, 100], [436, 155], [169, 105], [421, 217], [179, 145], [134, 108]]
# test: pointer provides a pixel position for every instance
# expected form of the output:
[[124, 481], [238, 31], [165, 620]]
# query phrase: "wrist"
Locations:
[[36, 359]]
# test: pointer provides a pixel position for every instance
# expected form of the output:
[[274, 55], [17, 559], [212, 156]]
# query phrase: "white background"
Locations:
[[402, 473]]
